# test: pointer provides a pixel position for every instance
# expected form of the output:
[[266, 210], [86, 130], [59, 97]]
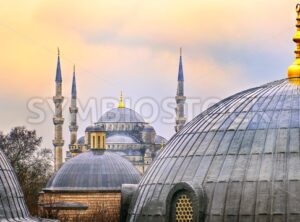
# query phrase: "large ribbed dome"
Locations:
[[94, 170], [237, 161], [122, 115], [12, 204]]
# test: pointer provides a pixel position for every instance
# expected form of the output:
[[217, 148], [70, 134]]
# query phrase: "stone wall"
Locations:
[[102, 206]]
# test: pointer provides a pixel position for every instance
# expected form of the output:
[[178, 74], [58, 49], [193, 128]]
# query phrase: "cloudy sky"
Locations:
[[133, 46]]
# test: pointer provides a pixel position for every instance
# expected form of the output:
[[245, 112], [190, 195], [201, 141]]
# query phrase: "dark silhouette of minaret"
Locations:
[[58, 119], [73, 112], [180, 98]]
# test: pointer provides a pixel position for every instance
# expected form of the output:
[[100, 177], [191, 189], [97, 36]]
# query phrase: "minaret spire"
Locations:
[[73, 127], [58, 119], [294, 70], [74, 89], [58, 77], [180, 98], [180, 70]]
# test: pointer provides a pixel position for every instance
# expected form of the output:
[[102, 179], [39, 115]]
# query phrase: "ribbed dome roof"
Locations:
[[243, 153], [120, 138], [94, 170], [12, 204], [123, 115]]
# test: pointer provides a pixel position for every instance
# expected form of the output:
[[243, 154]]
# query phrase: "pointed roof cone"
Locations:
[[74, 90], [58, 77], [180, 70]]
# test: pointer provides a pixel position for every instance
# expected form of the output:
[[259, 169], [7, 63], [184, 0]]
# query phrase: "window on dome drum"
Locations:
[[182, 208]]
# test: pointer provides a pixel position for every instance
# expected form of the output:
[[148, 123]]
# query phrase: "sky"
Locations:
[[133, 46]]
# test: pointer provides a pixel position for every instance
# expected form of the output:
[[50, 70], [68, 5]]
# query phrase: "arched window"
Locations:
[[182, 207], [186, 202]]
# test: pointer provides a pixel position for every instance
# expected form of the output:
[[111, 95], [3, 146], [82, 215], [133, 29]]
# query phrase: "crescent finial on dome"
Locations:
[[294, 70]]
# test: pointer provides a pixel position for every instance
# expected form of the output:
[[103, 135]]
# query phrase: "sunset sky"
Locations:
[[133, 46]]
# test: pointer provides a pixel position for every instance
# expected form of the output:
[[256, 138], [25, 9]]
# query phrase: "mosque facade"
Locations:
[[127, 133]]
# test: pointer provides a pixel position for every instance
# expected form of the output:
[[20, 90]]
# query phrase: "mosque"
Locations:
[[126, 131], [115, 151], [237, 161]]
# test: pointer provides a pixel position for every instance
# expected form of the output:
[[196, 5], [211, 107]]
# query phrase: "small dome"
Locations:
[[160, 139], [12, 205], [121, 115], [80, 141], [120, 138], [94, 170], [148, 128]]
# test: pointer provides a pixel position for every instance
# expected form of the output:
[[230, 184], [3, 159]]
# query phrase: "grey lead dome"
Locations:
[[121, 115], [239, 161], [12, 204], [94, 170]]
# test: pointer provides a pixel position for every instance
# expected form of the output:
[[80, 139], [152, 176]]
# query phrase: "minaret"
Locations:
[[73, 112], [180, 98], [58, 119]]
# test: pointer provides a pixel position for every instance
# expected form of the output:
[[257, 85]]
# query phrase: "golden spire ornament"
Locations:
[[162, 145], [121, 102], [294, 70]]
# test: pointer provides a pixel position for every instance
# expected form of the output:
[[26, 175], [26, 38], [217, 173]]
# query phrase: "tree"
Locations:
[[33, 165]]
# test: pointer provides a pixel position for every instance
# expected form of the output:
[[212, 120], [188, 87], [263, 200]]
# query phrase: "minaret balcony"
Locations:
[[58, 142], [58, 120], [180, 99], [58, 99], [73, 110], [181, 120], [73, 128]]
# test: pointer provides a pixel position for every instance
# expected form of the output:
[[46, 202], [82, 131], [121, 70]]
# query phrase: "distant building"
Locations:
[[104, 166], [127, 132], [127, 135]]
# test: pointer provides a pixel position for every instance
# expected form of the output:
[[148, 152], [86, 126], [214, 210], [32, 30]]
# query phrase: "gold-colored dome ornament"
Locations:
[[294, 70], [121, 102]]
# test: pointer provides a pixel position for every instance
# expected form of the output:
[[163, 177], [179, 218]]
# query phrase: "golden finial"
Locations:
[[121, 102], [162, 144], [74, 68], [294, 70], [180, 51], [58, 52]]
